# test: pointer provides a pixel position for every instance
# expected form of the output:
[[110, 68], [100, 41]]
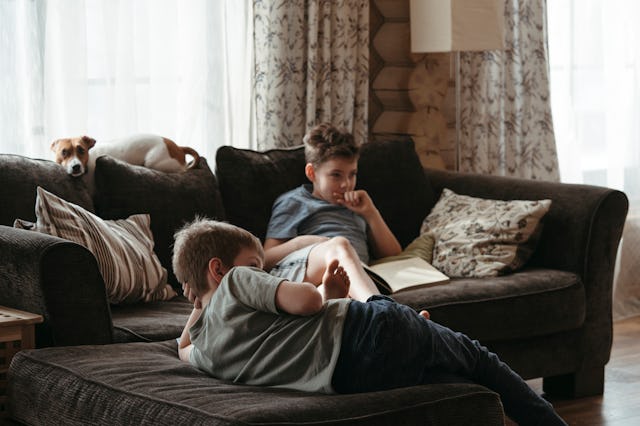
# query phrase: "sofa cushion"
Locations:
[[146, 383], [20, 176], [421, 247], [123, 248], [478, 237], [390, 171], [530, 302], [250, 181], [171, 199], [154, 321]]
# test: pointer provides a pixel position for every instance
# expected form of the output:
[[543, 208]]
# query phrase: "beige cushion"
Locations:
[[421, 246], [477, 237], [123, 248]]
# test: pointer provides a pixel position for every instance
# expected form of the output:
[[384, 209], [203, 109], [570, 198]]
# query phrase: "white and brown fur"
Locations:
[[78, 155]]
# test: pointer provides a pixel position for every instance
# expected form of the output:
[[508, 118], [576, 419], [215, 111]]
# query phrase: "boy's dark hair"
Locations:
[[326, 141], [200, 241]]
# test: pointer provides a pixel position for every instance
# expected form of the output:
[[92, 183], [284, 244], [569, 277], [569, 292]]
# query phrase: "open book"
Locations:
[[398, 275]]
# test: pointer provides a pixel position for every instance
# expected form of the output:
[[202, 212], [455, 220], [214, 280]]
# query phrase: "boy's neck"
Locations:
[[206, 297]]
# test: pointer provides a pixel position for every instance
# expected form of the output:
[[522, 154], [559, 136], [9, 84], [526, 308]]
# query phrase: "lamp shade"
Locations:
[[456, 25]]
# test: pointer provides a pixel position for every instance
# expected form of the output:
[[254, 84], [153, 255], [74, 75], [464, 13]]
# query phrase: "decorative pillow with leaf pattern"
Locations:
[[476, 237]]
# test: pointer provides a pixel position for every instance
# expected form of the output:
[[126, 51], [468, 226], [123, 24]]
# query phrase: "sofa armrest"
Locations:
[[581, 218], [581, 234], [59, 280]]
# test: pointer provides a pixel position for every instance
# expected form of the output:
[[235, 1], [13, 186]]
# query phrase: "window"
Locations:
[[595, 91], [594, 50], [113, 68]]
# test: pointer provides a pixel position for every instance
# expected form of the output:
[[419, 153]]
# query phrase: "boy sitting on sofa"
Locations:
[[327, 219], [260, 329]]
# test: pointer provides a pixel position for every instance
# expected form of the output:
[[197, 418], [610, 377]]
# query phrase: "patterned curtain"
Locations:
[[506, 126], [311, 65]]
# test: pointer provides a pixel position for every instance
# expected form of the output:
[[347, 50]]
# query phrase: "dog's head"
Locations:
[[73, 153]]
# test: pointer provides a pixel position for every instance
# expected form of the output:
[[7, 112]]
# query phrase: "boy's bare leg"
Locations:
[[340, 248], [335, 282]]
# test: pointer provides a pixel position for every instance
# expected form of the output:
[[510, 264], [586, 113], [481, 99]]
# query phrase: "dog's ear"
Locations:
[[89, 141], [53, 144]]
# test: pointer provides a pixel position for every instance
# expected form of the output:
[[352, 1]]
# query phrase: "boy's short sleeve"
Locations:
[[288, 210], [253, 287]]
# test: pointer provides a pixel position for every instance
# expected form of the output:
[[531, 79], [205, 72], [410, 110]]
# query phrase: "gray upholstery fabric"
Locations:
[[57, 279], [154, 321], [566, 235], [19, 177], [250, 182], [145, 383], [391, 173], [533, 302], [171, 199]]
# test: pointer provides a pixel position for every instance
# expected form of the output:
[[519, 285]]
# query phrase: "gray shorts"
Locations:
[[293, 266]]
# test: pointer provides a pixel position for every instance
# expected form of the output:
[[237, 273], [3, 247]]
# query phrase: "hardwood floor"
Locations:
[[620, 404]]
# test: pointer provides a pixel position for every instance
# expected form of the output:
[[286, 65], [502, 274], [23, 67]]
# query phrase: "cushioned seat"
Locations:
[[533, 302], [155, 321], [503, 308], [145, 383]]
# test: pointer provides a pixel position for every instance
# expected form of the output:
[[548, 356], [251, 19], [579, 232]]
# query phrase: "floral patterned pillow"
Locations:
[[478, 237]]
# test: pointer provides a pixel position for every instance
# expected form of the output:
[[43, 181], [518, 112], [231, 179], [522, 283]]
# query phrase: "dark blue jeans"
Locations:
[[387, 345]]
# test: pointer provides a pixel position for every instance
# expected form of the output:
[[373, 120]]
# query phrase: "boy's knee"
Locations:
[[341, 245]]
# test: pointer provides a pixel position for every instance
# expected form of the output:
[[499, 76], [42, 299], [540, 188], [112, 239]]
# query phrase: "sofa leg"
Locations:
[[588, 382]]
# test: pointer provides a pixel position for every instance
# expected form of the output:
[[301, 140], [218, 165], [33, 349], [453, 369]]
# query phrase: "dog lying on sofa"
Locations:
[[551, 318], [78, 154]]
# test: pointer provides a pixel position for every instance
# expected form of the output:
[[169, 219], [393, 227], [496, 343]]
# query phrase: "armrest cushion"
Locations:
[[59, 280], [583, 222]]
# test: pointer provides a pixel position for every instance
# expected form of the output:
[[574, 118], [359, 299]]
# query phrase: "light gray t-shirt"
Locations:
[[297, 212], [241, 337]]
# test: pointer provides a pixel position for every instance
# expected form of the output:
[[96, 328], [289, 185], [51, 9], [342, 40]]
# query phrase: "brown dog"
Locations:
[[78, 155]]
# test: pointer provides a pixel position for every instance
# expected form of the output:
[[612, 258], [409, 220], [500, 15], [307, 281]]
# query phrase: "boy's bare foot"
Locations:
[[425, 314], [335, 281]]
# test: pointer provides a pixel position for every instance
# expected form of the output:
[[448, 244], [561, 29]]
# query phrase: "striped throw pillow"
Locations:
[[123, 248]]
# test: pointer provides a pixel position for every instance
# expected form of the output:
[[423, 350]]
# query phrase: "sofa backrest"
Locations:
[[250, 181], [171, 199], [390, 171], [393, 176], [19, 178]]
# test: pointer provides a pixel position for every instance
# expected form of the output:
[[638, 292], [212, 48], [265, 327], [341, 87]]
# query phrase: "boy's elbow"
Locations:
[[310, 303], [313, 304], [298, 298], [184, 353]]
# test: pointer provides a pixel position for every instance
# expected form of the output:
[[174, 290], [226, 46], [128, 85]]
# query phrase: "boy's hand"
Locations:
[[335, 281], [357, 201], [186, 290]]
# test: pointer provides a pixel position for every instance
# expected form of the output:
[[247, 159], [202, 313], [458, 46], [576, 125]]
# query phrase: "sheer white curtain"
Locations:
[[110, 68], [595, 91]]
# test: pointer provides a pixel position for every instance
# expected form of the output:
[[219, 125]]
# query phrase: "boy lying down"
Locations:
[[250, 327]]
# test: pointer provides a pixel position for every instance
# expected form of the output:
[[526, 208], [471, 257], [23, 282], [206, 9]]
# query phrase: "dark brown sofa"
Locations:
[[552, 319]]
